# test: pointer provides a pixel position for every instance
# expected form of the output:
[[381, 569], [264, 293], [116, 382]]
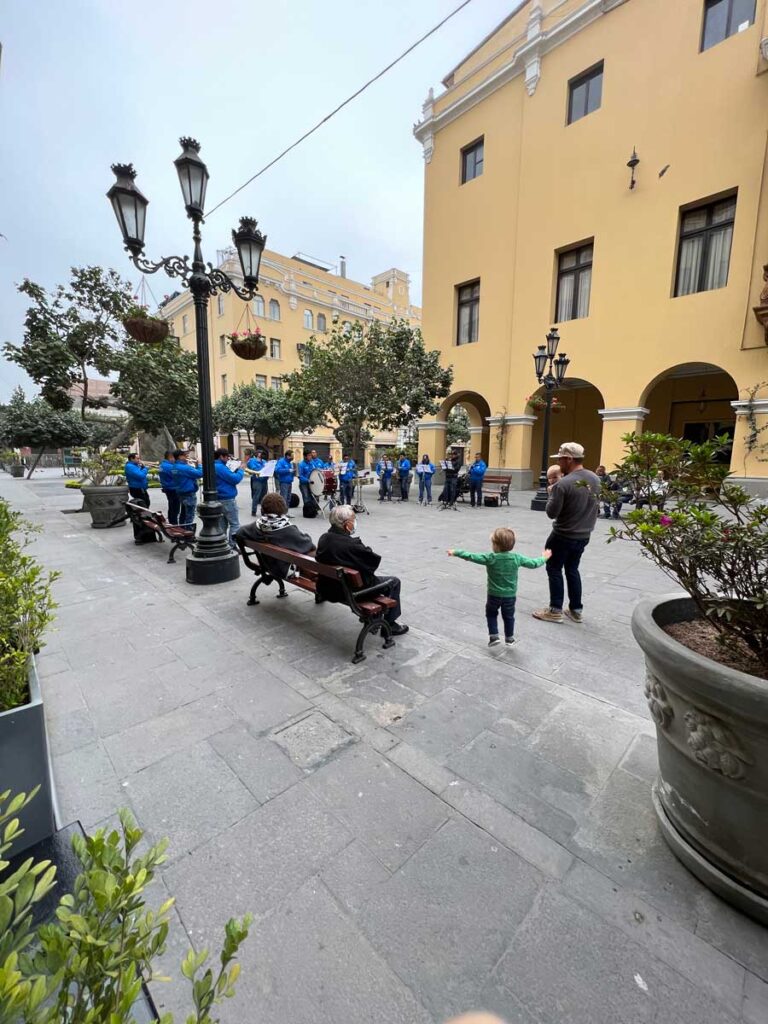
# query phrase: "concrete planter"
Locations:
[[17, 471], [106, 504], [24, 763], [711, 796]]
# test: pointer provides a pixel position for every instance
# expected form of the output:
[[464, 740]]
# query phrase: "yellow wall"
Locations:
[[547, 185]]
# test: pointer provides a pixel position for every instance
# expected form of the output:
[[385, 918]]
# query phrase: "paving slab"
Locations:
[[259, 764], [354, 875], [444, 724], [312, 740]]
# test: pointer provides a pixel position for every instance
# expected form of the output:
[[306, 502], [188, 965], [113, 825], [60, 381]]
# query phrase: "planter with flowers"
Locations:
[[537, 403], [248, 344], [706, 654], [150, 330]]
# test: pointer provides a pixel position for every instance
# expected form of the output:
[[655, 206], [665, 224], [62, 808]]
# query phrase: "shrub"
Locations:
[[74, 485], [104, 468]]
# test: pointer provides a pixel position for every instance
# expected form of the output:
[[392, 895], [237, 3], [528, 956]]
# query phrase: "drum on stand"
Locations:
[[329, 481], [317, 483]]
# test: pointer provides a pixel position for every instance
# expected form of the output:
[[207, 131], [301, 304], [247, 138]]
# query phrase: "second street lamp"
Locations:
[[212, 560], [551, 377]]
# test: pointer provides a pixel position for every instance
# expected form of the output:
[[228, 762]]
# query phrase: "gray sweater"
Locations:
[[573, 504]]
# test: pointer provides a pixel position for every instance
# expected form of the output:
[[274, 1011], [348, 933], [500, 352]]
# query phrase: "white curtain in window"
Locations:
[[258, 306], [719, 256], [463, 325], [690, 265], [565, 298], [585, 287]]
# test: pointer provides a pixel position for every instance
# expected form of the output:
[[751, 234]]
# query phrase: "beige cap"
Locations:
[[569, 450]]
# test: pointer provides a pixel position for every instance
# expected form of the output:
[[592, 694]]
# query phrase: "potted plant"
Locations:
[[104, 489], [248, 344], [90, 960], [150, 330], [538, 402], [706, 654], [26, 608]]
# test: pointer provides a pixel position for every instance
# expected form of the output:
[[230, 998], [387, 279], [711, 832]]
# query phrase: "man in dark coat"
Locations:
[[274, 527], [339, 547]]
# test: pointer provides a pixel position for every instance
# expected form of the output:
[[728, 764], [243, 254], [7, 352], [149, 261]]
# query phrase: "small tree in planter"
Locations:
[[104, 489], [706, 652]]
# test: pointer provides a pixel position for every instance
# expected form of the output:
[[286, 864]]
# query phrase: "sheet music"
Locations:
[[445, 464], [233, 465], [269, 468]]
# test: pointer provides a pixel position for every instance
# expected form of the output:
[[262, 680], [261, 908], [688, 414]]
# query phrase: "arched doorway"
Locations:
[[692, 401], [578, 419], [477, 412]]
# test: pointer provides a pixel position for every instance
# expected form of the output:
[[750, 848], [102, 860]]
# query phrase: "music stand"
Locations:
[[446, 464], [360, 507]]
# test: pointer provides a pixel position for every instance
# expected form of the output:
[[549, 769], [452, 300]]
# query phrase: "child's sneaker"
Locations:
[[510, 641], [573, 615], [548, 614], [494, 641]]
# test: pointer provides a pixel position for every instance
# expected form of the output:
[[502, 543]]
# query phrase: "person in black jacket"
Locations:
[[274, 527], [339, 547]]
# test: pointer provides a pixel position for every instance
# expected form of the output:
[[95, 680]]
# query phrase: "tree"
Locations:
[[38, 425], [377, 376], [457, 431], [157, 387], [68, 333], [264, 414]]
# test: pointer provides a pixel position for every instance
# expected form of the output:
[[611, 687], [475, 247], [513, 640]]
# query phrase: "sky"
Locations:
[[87, 83]]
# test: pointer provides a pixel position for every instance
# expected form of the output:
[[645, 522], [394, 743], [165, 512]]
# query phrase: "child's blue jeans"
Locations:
[[507, 607]]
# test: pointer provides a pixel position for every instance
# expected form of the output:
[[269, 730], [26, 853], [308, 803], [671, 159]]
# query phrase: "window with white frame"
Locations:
[[277, 383], [704, 250], [309, 323], [220, 305], [274, 348], [222, 344], [274, 309], [321, 322], [184, 324], [223, 384], [260, 380], [258, 305]]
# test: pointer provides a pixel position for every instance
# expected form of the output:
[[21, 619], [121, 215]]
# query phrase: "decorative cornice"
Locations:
[[631, 412], [743, 407], [477, 430], [511, 420], [432, 424]]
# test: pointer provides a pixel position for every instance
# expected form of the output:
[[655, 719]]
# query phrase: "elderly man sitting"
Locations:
[[339, 547]]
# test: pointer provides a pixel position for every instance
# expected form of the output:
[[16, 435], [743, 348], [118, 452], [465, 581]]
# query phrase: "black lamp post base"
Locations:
[[221, 569], [539, 503]]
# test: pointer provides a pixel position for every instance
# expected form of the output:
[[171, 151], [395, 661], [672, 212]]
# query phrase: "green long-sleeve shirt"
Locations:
[[501, 567]]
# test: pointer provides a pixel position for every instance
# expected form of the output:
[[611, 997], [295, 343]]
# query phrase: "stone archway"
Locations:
[[691, 400], [432, 434], [579, 420]]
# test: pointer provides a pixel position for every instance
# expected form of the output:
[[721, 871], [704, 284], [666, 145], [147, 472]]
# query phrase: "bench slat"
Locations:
[[304, 562]]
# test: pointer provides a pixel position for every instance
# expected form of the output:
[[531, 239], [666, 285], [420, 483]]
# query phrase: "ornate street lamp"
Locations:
[[550, 372], [212, 560]]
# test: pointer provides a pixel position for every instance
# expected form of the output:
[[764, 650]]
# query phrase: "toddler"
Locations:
[[501, 565], [554, 473]]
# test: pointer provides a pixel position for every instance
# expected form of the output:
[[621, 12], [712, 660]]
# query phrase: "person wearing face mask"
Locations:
[[339, 547]]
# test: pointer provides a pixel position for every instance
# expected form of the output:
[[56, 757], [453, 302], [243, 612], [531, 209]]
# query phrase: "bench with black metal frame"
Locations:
[[369, 604], [181, 537], [497, 483]]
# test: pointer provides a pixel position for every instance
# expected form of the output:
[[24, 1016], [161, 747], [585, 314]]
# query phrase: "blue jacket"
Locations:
[[226, 480], [428, 468], [255, 464], [305, 468], [381, 470], [284, 471], [477, 470], [167, 481], [186, 477], [404, 465], [351, 472], [136, 476]]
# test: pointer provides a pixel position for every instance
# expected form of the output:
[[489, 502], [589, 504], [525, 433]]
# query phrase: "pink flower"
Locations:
[[665, 521]]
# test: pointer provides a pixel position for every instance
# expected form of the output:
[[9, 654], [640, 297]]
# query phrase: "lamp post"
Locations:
[[550, 372], [212, 560]]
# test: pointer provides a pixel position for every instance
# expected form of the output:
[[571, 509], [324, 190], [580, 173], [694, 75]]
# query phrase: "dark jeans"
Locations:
[[347, 491], [307, 497], [187, 509], [615, 507], [392, 614], [285, 487], [139, 496], [566, 555], [450, 490], [405, 483], [507, 606], [476, 491], [425, 484], [385, 488], [258, 490], [174, 505]]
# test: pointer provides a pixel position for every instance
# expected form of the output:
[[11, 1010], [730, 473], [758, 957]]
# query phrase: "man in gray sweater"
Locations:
[[573, 503]]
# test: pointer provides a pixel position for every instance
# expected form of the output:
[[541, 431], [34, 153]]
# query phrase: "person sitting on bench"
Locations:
[[339, 547], [274, 527]]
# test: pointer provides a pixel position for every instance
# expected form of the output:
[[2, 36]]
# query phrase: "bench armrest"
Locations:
[[374, 591]]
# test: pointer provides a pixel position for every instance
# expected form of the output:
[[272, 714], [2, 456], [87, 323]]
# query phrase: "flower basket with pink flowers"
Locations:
[[248, 344]]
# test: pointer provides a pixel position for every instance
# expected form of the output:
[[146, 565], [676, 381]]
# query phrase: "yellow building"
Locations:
[[531, 219], [298, 297]]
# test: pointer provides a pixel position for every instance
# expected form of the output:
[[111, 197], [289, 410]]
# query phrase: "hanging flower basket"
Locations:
[[537, 403], [150, 330], [249, 344]]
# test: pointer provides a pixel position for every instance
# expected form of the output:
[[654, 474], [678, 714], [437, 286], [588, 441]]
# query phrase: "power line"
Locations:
[[335, 111]]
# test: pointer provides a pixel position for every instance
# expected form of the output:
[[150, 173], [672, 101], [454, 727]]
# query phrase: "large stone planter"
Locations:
[[17, 471], [711, 796], [106, 504], [24, 764]]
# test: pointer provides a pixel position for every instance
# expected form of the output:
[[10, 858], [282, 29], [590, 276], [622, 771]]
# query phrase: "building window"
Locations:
[[309, 320], [471, 163], [260, 380], [220, 305], [185, 324], [258, 305], [574, 283], [724, 18], [274, 309], [468, 320], [704, 252], [223, 384], [277, 383], [274, 348], [321, 323], [222, 344], [585, 93]]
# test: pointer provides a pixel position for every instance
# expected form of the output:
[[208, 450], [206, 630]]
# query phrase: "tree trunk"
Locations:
[[84, 401], [34, 464]]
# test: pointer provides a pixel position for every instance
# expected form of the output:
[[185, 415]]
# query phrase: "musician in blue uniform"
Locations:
[[425, 471], [168, 485], [385, 469], [259, 484], [404, 473], [284, 474], [136, 478], [226, 491], [347, 481], [306, 466], [185, 477], [476, 474]]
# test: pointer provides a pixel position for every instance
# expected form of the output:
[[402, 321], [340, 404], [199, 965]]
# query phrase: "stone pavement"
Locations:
[[439, 828]]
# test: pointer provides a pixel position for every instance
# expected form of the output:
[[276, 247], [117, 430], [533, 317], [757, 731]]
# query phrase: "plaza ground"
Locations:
[[442, 827]]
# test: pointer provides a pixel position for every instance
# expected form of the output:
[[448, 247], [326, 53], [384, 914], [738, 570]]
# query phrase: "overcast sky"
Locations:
[[85, 83]]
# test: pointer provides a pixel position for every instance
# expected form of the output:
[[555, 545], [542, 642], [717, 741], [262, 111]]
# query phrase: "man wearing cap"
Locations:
[[573, 503]]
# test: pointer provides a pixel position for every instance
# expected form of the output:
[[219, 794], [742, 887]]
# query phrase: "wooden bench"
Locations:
[[181, 537], [497, 483], [369, 604]]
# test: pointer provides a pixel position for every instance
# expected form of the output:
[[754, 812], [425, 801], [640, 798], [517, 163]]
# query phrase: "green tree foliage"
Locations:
[[457, 431], [378, 376], [71, 331], [263, 414], [38, 425], [157, 387]]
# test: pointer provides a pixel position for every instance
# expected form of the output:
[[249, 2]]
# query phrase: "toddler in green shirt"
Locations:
[[501, 565]]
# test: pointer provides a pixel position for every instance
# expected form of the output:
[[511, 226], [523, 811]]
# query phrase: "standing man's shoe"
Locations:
[[548, 614], [573, 615]]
